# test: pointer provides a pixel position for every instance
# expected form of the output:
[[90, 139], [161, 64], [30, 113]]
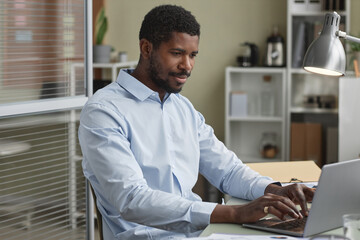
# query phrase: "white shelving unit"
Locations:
[[243, 134], [114, 67], [306, 17]]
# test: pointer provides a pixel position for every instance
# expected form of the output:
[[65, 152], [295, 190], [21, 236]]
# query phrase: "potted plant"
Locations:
[[355, 50], [101, 52]]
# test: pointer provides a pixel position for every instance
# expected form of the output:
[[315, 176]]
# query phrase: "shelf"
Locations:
[[115, 65], [316, 14], [38, 120], [256, 119], [299, 71], [302, 71], [265, 70], [77, 158], [313, 110], [10, 147]]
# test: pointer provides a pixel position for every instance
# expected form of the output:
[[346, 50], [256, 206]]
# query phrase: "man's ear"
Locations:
[[145, 48]]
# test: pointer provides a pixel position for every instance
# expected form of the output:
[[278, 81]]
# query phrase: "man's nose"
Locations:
[[186, 63]]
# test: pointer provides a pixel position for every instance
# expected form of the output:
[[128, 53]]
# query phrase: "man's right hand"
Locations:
[[251, 212]]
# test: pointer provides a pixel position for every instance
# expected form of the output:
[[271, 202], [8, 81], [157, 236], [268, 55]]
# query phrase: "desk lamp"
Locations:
[[326, 55]]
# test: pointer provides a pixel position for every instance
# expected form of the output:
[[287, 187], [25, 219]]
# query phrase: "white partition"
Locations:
[[349, 118]]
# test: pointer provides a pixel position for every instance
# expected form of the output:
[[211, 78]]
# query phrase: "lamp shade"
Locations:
[[326, 54]]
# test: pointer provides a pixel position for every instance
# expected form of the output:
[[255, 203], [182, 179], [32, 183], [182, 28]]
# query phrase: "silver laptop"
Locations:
[[337, 193]]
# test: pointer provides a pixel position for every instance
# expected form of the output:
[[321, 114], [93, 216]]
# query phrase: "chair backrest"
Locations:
[[98, 215]]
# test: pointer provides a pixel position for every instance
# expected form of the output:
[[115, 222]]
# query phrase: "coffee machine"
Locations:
[[275, 51], [249, 55]]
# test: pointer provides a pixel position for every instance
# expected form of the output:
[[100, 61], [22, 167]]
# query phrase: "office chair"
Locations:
[[98, 214]]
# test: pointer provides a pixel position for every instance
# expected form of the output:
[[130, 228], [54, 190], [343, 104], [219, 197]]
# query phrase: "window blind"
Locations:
[[40, 41], [42, 187]]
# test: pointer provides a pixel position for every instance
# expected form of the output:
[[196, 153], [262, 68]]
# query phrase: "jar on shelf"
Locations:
[[268, 145], [122, 57], [267, 98]]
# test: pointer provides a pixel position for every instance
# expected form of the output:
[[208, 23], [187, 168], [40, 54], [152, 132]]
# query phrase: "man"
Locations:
[[144, 145]]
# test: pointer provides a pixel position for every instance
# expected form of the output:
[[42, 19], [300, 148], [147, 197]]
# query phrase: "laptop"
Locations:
[[337, 193]]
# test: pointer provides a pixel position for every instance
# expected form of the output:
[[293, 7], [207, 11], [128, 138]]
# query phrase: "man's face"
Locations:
[[172, 62]]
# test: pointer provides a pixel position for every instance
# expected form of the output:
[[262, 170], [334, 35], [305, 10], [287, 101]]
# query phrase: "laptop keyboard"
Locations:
[[291, 224]]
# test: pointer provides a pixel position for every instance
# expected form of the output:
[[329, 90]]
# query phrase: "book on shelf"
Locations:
[[299, 44], [334, 5], [238, 104]]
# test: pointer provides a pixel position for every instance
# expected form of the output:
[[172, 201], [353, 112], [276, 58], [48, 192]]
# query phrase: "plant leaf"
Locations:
[[101, 26]]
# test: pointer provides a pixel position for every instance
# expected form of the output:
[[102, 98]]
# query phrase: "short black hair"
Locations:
[[163, 20]]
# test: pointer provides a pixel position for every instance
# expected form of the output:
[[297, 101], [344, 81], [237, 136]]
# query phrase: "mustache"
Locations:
[[180, 74]]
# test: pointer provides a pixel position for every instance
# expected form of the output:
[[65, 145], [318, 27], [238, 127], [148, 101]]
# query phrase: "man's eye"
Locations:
[[176, 53], [193, 55]]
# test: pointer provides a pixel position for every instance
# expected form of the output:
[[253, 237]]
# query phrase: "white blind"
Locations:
[[40, 41], [42, 187]]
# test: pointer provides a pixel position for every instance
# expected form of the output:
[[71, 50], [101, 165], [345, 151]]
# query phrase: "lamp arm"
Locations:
[[342, 34]]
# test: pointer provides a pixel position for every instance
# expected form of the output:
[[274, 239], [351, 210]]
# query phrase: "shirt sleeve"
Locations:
[[117, 178], [222, 168]]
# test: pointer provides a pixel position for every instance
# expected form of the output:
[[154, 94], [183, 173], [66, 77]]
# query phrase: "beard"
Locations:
[[154, 70]]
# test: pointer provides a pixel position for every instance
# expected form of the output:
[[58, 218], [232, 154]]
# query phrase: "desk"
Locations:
[[306, 171]]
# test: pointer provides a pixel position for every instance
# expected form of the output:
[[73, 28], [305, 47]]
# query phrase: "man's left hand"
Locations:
[[298, 193]]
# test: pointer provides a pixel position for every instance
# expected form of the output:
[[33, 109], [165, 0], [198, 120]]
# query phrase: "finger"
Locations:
[[291, 204], [283, 205], [277, 213], [287, 207], [301, 198], [309, 194], [303, 203], [274, 199], [297, 195]]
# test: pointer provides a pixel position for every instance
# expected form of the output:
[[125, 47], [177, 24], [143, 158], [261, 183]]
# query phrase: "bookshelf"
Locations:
[[312, 98]]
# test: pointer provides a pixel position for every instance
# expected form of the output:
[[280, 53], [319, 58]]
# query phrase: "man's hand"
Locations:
[[254, 210], [279, 201], [297, 193]]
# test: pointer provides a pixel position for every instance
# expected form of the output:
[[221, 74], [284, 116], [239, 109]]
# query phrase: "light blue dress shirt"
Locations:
[[143, 155]]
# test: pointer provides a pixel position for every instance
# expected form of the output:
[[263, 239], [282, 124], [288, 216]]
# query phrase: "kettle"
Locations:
[[249, 55], [275, 52]]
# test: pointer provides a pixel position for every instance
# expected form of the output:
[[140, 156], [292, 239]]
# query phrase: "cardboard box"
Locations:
[[306, 171], [306, 142], [332, 153]]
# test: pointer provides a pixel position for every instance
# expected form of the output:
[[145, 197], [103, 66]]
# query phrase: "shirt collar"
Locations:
[[134, 86]]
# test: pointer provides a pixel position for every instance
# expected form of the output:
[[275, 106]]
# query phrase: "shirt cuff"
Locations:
[[261, 186], [201, 212]]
